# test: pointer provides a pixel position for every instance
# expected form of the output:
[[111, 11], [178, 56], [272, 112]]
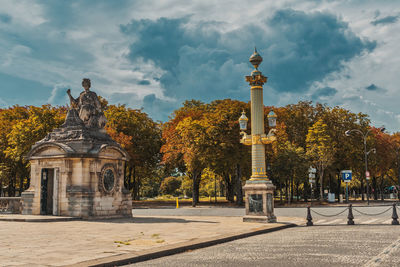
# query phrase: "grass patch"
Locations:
[[122, 243], [155, 235], [160, 241]]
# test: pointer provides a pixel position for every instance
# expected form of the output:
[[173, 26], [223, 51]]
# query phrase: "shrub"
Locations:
[[170, 186]]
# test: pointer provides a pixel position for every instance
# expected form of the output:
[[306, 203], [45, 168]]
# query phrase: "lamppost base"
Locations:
[[259, 197]]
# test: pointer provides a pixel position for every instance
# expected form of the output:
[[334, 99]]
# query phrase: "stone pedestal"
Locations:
[[259, 195]]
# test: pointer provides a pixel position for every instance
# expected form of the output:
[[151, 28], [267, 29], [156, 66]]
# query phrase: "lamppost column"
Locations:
[[257, 130], [256, 80]]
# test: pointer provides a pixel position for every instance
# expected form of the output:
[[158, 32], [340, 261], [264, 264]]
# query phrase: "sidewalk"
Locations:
[[116, 241]]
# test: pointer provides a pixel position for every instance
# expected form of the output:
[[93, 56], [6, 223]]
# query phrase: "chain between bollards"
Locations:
[[394, 215], [350, 217], [309, 217]]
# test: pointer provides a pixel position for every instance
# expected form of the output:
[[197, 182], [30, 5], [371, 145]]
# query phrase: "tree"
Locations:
[[22, 127], [140, 136], [228, 158], [186, 144], [320, 149], [195, 147], [170, 185]]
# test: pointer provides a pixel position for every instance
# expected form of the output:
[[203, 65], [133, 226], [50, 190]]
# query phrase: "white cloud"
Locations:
[[59, 95], [26, 13]]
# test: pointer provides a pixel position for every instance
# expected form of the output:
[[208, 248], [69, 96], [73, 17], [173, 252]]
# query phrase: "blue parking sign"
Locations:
[[346, 175]]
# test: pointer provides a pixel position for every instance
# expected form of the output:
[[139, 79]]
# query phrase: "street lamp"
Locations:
[[259, 190], [272, 119], [243, 122], [366, 153]]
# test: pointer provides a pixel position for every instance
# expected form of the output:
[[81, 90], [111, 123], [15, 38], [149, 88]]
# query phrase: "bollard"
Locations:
[[309, 217], [394, 215], [350, 217], [177, 203]]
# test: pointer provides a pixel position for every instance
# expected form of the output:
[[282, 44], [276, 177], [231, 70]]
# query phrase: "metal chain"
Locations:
[[375, 214], [324, 215]]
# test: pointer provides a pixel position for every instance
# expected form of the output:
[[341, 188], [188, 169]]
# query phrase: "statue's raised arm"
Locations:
[[73, 102]]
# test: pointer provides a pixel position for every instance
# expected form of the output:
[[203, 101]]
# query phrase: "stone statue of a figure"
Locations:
[[88, 107]]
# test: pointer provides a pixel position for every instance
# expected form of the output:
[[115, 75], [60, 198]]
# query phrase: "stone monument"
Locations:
[[78, 170]]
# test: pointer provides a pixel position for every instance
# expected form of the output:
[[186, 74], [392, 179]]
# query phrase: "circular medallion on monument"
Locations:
[[107, 182]]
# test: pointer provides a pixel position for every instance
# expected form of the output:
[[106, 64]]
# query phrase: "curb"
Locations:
[[40, 220], [172, 249]]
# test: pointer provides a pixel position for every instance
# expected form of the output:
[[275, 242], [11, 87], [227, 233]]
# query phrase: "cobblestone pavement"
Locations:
[[359, 245], [69, 242]]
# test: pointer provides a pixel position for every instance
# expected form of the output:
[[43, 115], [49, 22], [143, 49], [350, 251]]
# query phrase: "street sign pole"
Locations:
[[311, 176], [347, 177]]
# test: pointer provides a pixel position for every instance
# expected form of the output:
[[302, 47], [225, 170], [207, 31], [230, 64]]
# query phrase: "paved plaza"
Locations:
[[60, 243], [40, 240]]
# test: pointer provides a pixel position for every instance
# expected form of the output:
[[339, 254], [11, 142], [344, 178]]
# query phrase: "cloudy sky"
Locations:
[[156, 54]]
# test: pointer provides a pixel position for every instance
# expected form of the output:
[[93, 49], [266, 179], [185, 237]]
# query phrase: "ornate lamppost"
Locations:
[[259, 190]]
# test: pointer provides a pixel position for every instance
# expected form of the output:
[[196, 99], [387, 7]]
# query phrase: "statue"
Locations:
[[88, 107]]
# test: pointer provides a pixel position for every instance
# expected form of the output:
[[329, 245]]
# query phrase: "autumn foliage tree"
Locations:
[[140, 136], [320, 149], [20, 128]]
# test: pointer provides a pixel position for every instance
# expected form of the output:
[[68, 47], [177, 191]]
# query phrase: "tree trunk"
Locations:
[[239, 191], [21, 184], [286, 193], [198, 188], [230, 187], [280, 191], [339, 181], [195, 188], [11, 184], [362, 189], [135, 184], [194, 196], [374, 186], [291, 189], [129, 180], [321, 181], [381, 188], [305, 192]]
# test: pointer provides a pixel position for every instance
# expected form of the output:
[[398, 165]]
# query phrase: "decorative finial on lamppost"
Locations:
[[256, 78], [255, 59]]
